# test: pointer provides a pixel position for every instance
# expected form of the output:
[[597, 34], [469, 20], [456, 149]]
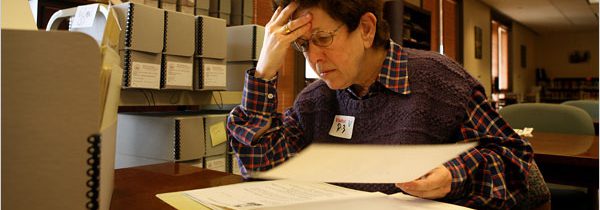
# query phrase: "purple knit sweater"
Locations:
[[432, 113]]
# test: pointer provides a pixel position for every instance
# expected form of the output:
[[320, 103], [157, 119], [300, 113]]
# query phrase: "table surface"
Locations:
[[569, 147], [567, 158], [136, 187]]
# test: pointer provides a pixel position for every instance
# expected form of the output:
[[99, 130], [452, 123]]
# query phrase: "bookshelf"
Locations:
[[416, 32], [559, 90]]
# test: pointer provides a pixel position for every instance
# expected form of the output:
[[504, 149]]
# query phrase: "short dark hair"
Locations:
[[349, 12]]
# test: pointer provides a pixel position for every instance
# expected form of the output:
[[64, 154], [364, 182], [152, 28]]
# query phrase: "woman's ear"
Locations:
[[368, 26]]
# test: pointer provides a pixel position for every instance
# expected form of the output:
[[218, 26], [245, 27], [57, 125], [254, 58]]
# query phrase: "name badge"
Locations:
[[342, 126]]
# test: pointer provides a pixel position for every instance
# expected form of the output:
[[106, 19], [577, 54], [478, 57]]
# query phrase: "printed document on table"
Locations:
[[292, 195], [344, 163], [263, 194]]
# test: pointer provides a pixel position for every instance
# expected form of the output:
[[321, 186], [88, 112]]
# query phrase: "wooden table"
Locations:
[[135, 188], [567, 158]]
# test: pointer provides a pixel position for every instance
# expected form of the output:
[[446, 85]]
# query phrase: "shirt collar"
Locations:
[[394, 71]]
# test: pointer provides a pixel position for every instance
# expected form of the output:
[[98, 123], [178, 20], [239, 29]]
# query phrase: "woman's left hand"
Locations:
[[435, 184]]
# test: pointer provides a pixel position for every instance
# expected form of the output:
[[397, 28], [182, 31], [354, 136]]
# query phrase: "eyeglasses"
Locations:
[[319, 38]]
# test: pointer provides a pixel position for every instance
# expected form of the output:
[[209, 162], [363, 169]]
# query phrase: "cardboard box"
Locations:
[[233, 163], [202, 7], [236, 74], [152, 3], [220, 9], [244, 42], [172, 7], [210, 74], [127, 161], [216, 163], [57, 149], [214, 134], [196, 163], [211, 37], [211, 49], [202, 4], [141, 44], [188, 10], [242, 12], [178, 64], [165, 137]]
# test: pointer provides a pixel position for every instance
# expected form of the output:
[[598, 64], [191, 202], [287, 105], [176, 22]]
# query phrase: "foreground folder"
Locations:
[[352, 163], [55, 155]]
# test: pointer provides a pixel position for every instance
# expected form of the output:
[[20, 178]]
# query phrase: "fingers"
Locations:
[[285, 14], [435, 184], [278, 38], [276, 14], [429, 194], [296, 33], [297, 24]]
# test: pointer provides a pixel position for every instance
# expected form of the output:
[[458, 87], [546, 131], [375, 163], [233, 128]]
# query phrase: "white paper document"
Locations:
[[344, 163], [289, 195]]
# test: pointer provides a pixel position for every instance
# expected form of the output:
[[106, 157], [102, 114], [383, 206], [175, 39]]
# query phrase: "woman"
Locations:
[[391, 94]]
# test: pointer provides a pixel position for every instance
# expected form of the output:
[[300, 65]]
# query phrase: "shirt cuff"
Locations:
[[459, 177], [259, 96]]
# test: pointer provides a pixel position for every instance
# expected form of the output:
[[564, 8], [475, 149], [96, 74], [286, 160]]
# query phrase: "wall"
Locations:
[[476, 13], [555, 50], [523, 78]]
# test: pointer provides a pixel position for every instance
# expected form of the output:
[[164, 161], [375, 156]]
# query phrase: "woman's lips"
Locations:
[[325, 72], [322, 72]]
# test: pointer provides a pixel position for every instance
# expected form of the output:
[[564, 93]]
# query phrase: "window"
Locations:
[[500, 68]]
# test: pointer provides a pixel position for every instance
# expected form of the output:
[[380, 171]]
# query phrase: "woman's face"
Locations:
[[339, 64]]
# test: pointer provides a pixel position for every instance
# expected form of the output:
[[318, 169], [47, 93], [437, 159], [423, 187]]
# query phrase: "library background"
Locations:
[[181, 66]]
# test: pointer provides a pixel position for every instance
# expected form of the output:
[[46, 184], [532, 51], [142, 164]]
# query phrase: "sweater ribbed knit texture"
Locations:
[[431, 114]]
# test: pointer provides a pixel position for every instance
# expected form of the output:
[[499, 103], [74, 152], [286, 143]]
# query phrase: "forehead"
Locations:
[[320, 18]]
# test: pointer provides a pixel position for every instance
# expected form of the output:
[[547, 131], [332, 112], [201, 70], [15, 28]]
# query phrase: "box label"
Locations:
[[215, 75], [145, 75], [179, 74]]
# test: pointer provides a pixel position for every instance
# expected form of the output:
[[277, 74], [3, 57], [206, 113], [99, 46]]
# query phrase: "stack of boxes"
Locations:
[[220, 9], [243, 49], [234, 12], [144, 139], [242, 12], [202, 7], [215, 139], [151, 3], [178, 58], [197, 139], [188, 6], [211, 49], [166, 49], [141, 44], [169, 5]]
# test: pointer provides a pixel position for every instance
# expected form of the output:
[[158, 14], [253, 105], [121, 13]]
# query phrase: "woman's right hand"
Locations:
[[278, 39]]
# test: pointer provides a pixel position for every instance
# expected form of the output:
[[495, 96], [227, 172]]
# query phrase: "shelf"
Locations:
[[417, 25], [564, 89]]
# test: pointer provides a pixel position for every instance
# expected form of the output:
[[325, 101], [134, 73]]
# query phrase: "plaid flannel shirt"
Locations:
[[491, 175]]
